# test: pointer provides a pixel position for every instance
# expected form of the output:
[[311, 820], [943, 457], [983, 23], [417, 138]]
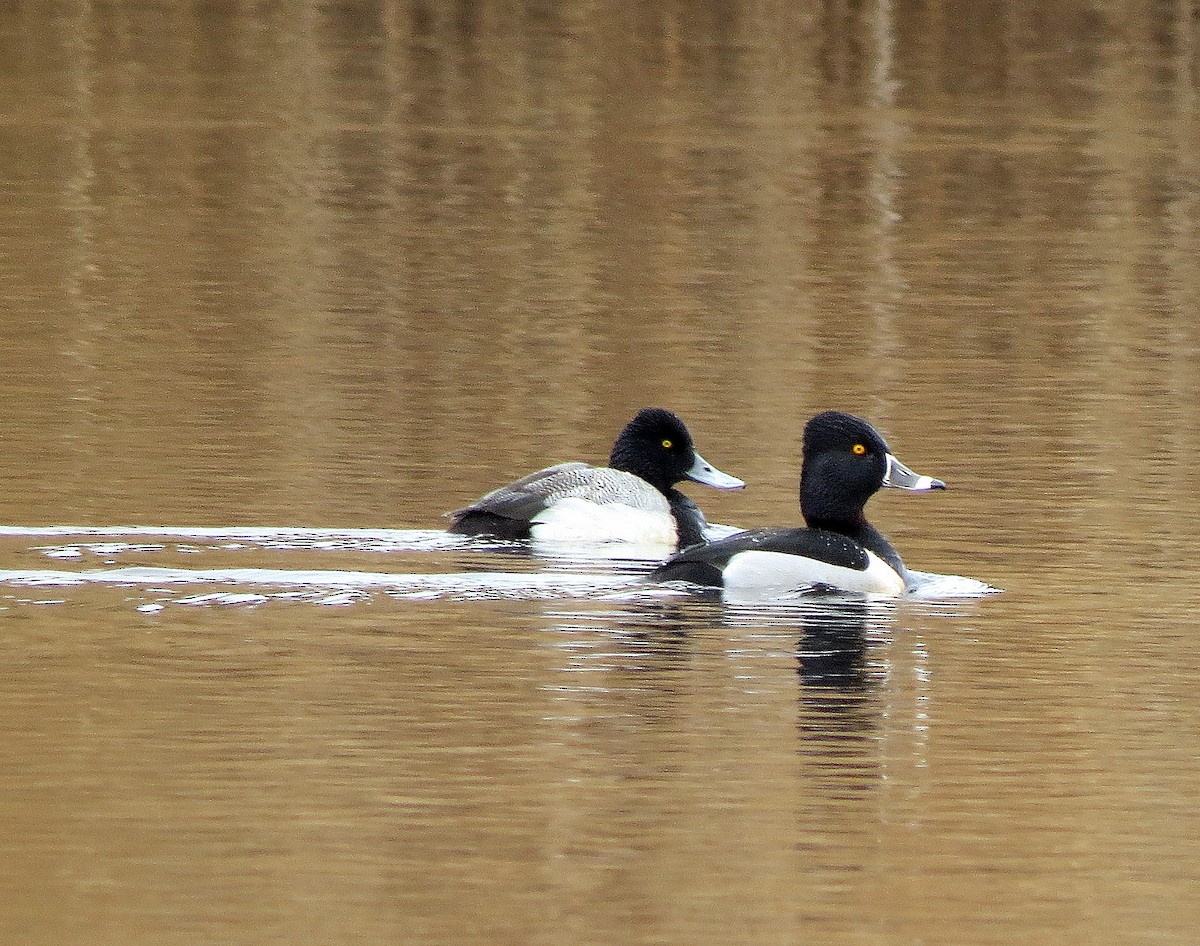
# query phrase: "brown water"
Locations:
[[349, 265]]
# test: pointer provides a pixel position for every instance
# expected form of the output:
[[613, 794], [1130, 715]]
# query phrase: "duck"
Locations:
[[844, 463], [632, 500]]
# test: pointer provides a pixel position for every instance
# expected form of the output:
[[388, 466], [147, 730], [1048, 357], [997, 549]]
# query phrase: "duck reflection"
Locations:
[[839, 693], [834, 630], [841, 702], [838, 680], [832, 652], [832, 649], [637, 679]]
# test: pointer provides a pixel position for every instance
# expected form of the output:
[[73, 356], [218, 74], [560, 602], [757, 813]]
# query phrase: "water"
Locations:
[[283, 286]]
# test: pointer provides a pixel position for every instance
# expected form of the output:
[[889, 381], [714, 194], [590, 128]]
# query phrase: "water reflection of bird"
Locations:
[[832, 651], [635, 663], [840, 701], [834, 635], [633, 499]]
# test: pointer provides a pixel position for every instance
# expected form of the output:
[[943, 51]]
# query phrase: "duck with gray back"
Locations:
[[633, 499], [845, 462]]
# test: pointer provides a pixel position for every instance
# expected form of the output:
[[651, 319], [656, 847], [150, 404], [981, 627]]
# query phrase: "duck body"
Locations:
[[632, 500], [576, 502], [771, 563], [845, 463]]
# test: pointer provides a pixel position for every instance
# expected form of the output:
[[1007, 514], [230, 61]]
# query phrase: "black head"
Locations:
[[846, 462], [656, 446]]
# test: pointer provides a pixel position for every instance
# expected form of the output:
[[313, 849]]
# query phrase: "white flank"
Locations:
[[573, 519], [755, 575]]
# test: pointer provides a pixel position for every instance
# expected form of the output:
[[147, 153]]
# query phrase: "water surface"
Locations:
[[282, 286]]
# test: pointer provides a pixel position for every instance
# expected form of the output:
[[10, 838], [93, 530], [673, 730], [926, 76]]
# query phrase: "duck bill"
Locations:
[[901, 477], [704, 472]]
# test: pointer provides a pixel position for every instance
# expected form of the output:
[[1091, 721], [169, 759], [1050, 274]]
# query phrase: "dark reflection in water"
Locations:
[[836, 678], [839, 706], [833, 651]]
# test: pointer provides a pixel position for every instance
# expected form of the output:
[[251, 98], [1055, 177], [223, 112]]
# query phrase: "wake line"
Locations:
[[427, 537], [472, 584]]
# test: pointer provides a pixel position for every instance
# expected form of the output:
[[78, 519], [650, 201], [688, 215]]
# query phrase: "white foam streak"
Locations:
[[927, 585], [455, 585], [400, 539]]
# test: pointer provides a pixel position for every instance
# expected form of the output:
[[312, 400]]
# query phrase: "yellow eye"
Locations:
[[668, 444], [858, 449]]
